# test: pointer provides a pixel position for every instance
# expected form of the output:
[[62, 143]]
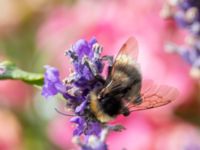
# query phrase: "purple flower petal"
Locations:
[[81, 107], [81, 48], [94, 128], [77, 120], [180, 19], [80, 125], [92, 41], [101, 146], [52, 83]]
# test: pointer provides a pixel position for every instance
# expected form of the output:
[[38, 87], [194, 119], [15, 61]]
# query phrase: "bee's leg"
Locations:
[[92, 69], [90, 65], [109, 59], [138, 100], [125, 111], [109, 71], [97, 48], [117, 127]]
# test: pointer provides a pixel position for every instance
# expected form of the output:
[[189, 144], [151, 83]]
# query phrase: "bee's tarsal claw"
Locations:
[[117, 128]]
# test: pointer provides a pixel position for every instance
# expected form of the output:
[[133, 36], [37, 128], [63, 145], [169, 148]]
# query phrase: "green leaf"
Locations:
[[8, 70]]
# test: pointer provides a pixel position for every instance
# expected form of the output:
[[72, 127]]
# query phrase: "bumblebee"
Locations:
[[124, 91]]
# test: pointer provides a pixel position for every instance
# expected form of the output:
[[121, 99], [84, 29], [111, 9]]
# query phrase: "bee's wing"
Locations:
[[125, 62], [127, 54], [130, 48], [154, 95]]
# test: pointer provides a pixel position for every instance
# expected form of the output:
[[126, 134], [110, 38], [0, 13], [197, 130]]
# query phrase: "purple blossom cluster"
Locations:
[[76, 88], [186, 13], [94, 142]]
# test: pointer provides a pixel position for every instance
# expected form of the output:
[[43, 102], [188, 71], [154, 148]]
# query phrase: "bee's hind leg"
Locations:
[[138, 100], [109, 59], [117, 127]]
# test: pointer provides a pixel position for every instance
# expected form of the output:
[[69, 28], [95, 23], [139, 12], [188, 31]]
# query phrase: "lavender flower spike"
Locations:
[[87, 66], [186, 14], [94, 142]]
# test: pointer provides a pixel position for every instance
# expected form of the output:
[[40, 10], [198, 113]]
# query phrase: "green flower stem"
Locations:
[[8, 70]]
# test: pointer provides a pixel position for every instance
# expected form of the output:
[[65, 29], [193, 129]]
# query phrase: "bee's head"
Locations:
[[105, 108], [110, 105]]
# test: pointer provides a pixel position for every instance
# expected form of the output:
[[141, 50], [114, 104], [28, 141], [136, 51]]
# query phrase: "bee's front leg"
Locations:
[[109, 59], [92, 69], [90, 65], [97, 51]]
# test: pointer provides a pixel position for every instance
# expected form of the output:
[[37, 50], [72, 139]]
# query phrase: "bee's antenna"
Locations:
[[63, 113]]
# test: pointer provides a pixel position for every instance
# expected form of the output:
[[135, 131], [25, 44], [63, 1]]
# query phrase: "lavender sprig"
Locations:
[[76, 89], [186, 13], [93, 142]]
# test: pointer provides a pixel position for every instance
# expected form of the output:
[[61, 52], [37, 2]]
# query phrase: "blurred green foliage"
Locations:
[[34, 130], [20, 47]]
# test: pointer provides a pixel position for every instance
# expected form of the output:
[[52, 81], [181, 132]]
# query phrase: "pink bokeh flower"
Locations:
[[10, 131], [60, 132], [12, 95], [178, 135]]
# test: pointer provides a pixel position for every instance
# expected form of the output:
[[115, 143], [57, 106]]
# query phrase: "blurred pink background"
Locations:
[[55, 25]]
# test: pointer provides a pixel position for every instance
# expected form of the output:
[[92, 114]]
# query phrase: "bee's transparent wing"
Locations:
[[127, 54], [130, 48], [154, 95], [124, 64]]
